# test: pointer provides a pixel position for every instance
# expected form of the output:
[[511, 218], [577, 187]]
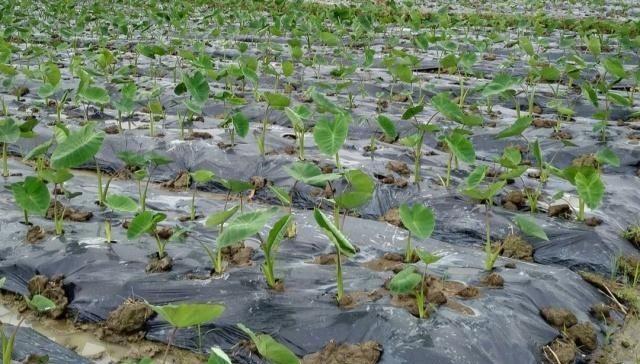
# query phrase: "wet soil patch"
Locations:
[[368, 352], [128, 319], [70, 213], [52, 289], [159, 264]]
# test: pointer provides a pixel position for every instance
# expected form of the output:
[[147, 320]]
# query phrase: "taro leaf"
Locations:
[[235, 186], [419, 219], [121, 203], [618, 99], [359, 192], [590, 93], [607, 156], [614, 66], [198, 87], [77, 148], [593, 43], [484, 194], [9, 131], [426, 257], [330, 135], [240, 124], [517, 128], [202, 176], [510, 158], [334, 234], [95, 95], [270, 349], [526, 46], [590, 188], [442, 102], [244, 226], [277, 232], [329, 39], [323, 104], [126, 103], [56, 176], [287, 68], [188, 314], [276, 100], [214, 220], [405, 281], [144, 222], [218, 356], [52, 74], [26, 128], [46, 90], [31, 195], [530, 227], [537, 153], [295, 118], [310, 174], [40, 303], [550, 73], [476, 176], [281, 194], [156, 159], [500, 83], [388, 127], [250, 75], [513, 173], [461, 147], [402, 72], [412, 111]]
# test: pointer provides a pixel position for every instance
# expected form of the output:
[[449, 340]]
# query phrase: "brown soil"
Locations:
[[629, 265], [35, 234], [513, 246], [20, 91], [70, 213], [158, 265], [392, 216], [469, 292], [237, 255], [52, 289], [561, 135], [560, 318], [593, 221], [585, 160], [368, 352], [514, 201], [624, 346], [388, 262], [198, 135], [560, 351], [437, 293], [400, 168], [584, 336], [391, 180], [632, 234], [180, 182], [112, 129], [494, 280], [352, 299], [601, 312], [544, 123], [258, 182], [128, 318], [325, 259], [164, 232], [561, 210]]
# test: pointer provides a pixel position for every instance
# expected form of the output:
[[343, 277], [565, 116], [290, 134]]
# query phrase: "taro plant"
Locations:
[[341, 243], [238, 124], [286, 199], [269, 349], [200, 176], [420, 221], [270, 248], [409, 281], [9, 133], [120, 203], [275, 101], [359, 191], [143, 166], [146, 222], [416, 140], [330, 135], [297, 116], [530, 228], [588, 184], [186, 315], [216, 221], [32, 196], [126, 103]]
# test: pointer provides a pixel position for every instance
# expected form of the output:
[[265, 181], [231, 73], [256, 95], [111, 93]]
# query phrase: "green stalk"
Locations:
[[581, 210], [420, 299], [218, 261], [161, 251], [193, 203], [447, 181], [408, 254], [101, 195], [5, 163], [418, 158], [339, 276], [338, 166], [26, 217]]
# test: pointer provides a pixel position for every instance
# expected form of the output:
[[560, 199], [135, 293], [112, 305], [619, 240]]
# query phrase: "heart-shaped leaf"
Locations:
[[334, 234], [77, 148], [188, 314], [244, 226], [419, 219], [530, 228], [31, 195]]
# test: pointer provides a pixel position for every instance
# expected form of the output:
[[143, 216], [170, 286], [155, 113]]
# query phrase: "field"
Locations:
[[350, 182]]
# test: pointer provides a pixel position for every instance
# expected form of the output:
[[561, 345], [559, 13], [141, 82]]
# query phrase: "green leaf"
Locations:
[[405, 281], [31, 195], [461, 147], [359, 192], [476, 176], [526, 46], [537, 154], [607, 156], [121, 203], [144, 222], [240, 124], [530, 228], [295, 118], [517, 128], [426, 257], [276, 100], [310, 174], [614, 66], [593, 43], [235, 186], [270, 349], [484, 194], [590, 188], [188, 314], [40, 303], [244, 226], [95, 95], [55, 175], [442, 102], [402, 72], [287, 68], [388, 127], [412, 111], [500, 84], [9, 131], [419, 219], [52, 74], [218, 356], [281, 194], [197, 86], [323, 104], [590, 93], [330, 135], [214, 220], [510, 158], [77, 148], [334, 234], [277, 233], [202, 176], [329, 39]]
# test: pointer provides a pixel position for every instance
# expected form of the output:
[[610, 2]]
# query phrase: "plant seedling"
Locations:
[[330, 135], [420, 221], [143, 165], [297, 116], [269, 349], [359, 191], [199, 177], [270, 248], [145, 223], [9, 133], [588, 183], [118, 203], [32, 196], [217, 220], [410, 281], [275, 101], [342, 244], [218, 356], [530, 227], [185, 315], [285, 199]]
